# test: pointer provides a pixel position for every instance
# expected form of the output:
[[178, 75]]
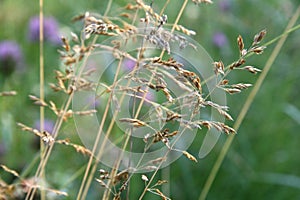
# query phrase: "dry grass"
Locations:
[[150, 73]]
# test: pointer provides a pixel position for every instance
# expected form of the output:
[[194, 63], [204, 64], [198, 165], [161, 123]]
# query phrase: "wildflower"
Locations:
[[129, 64], [224, 5], [150, 95], [51, 32], [92, 101], [219, 39], [48, 125], [10, 57]]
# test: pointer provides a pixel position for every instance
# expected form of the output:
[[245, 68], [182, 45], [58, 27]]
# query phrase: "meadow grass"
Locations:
[[154, 69]]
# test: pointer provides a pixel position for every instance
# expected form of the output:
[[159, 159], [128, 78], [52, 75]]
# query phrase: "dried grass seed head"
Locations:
[[202, 1], [8, 93], [240, 43], [259, 37]]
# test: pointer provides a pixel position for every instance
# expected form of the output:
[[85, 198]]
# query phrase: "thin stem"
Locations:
[[42, 94], [87, 183], [41, 38], [108, 8], [164, 7], [246, 107], [99, 155], [41, 67], [144, 95], [48, 150], [161, 55]]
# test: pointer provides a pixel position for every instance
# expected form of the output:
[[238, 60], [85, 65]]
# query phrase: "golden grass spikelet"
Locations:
[[150, 168], [8, 93], [78, 148], [172, 116], [163, 197], [185, 30], [121, 176], [135, 122], [75, 37], [241, 85], [219, 67], [168, 95], [160, 182], [215, 105], [232, 90], [240, 43], [86, 112], [148, 9], [129, 6], [157, 160], [38, 101], [205, 123], [251, 69], [227, 129], [169, 63], [45, 136], [54, 108], [217, 125], [202, 1], [257, 50], [189, 156], [70, 113], [161, 136], [259, 37], [237, 63], [78, 17], [11, 171], [224, 82], [66, 44], [102, 183], [225, 114]]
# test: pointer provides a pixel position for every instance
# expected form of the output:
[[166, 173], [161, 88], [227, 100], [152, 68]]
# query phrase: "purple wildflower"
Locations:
[[10, 57], [219, 39], [224, 5], [92, 102], [150, 96], [51, 32], [129, 64], [48, 125]]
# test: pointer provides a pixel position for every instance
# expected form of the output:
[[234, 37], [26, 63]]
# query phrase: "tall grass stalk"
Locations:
[[42, 80], [163, 70], [247, 104]]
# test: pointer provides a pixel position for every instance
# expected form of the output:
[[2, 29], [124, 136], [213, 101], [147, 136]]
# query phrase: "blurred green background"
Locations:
[[263, 162]]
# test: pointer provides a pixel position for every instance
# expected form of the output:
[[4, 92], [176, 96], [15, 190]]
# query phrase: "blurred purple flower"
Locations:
[[51, 32], [219, 39], [150, 95], [48, 125], [11, 57], [129, 64], [92, 102], [224, 5]]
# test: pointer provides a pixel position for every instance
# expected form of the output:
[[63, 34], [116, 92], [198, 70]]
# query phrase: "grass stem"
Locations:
[[246, 106]]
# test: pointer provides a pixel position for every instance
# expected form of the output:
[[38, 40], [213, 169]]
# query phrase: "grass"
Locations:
[[246, 159]]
